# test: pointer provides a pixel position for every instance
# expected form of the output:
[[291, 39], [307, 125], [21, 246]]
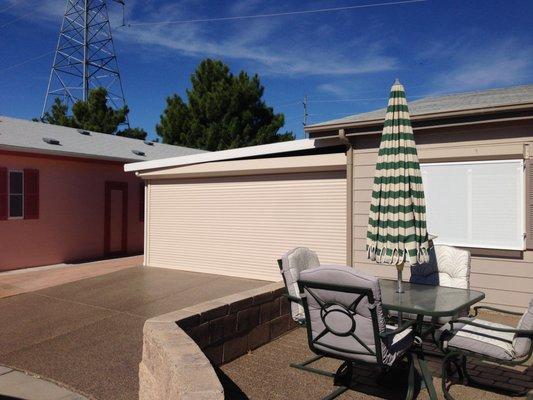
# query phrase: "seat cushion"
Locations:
[[447, 266], [523, 344], [400, 343], [293, 263], [341, 324], [478, 340]]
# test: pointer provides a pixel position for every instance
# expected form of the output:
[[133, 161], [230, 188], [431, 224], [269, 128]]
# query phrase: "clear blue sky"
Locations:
[[344, 61]]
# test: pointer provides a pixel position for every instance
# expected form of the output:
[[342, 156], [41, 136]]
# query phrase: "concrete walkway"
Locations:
[[15, 385], [30, 279], [87, 334]]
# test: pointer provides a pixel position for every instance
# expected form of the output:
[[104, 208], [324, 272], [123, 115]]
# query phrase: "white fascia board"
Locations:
[[264, 149]]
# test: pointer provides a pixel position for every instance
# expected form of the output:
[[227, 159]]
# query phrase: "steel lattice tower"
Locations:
[[85, 56]]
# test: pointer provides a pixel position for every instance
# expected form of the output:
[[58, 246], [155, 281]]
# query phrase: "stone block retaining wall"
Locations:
[[179, 348]]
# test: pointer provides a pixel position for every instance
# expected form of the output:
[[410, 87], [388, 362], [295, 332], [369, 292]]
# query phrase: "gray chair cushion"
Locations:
[[337, 317], [478, 340], [523, 344], [293, 263]]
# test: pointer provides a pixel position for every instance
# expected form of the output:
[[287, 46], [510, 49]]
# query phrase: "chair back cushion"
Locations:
[[523, 344], [342, 321], [447, 266], [293, 263]]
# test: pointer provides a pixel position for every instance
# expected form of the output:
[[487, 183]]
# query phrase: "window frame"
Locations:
[[9, 194], [522, 205]]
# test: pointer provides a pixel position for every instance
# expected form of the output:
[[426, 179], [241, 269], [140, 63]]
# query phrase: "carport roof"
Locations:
[[232, 154]]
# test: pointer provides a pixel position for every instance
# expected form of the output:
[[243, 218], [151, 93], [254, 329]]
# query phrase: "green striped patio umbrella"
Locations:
[[397, 232]]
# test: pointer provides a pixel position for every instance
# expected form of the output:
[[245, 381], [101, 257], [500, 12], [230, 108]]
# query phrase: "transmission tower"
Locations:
[[85, 56]]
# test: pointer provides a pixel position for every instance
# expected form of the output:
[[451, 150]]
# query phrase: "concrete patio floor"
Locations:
[[265, 374], [87, 334]]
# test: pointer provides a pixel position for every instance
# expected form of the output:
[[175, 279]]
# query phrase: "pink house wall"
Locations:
[[70, 226]]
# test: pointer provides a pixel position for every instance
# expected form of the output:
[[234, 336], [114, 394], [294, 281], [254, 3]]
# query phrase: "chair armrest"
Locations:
[[477, 308], [520, 332], [293, 299], [400, 329]]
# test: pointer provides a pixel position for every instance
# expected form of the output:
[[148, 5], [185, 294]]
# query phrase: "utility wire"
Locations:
[[11, 6], [279, 14], [26, 61], [17, 19]]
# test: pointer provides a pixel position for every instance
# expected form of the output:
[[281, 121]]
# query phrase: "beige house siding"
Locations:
[[240, 225], [505, 277]]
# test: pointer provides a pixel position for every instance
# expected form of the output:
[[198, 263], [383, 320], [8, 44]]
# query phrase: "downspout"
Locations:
[[349, 196]]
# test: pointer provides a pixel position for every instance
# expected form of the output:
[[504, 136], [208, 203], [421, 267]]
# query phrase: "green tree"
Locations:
[[92, 115], [223, 111], [57, 114], [133, 133]]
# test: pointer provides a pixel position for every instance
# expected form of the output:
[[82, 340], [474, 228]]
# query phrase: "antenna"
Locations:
[[85, 56], [306, 114], [305, 110]]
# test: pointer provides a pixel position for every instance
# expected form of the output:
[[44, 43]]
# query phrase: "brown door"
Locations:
[[116, 218]]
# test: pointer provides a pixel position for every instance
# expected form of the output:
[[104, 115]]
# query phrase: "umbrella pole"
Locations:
[[399, 288]]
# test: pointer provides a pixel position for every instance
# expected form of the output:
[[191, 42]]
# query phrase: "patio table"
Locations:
[[427, 300]]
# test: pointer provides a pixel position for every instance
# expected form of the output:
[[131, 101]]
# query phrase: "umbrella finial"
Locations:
[[397, 82]]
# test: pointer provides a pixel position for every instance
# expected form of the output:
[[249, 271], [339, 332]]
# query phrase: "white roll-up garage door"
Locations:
[[240, 226]]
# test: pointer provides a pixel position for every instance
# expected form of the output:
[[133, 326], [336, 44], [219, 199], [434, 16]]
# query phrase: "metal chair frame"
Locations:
[[350, 311], [459, 356], [304, 365]]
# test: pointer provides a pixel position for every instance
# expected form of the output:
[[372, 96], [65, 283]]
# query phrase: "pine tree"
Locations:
[[92, 115], [224, 111]]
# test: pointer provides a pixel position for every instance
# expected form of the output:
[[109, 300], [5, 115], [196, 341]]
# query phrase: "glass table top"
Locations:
[[435, 301]]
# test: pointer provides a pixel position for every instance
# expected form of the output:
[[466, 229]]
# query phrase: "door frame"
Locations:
[[123, 187]]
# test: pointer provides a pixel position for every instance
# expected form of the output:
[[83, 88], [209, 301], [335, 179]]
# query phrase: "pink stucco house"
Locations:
[[64, 195]]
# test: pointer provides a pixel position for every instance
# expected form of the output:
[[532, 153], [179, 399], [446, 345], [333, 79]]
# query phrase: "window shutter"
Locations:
[[141, 201], [3, 193], [31, 194], [529, 204]]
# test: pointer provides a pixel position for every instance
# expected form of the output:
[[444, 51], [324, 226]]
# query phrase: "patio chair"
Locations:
[[291, 264], [472, 337], [345, 321], [448, 266]]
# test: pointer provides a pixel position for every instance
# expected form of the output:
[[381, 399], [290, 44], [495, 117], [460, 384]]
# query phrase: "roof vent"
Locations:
[[138, 153], [84, 132], [148, 143], [51, 141]]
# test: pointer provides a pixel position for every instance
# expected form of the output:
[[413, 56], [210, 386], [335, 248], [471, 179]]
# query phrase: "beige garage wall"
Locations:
[[239, 226]]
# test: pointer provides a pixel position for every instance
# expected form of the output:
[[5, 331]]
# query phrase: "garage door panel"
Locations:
[[240, 227]]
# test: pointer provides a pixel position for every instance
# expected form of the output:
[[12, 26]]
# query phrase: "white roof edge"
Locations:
[[251, 151]]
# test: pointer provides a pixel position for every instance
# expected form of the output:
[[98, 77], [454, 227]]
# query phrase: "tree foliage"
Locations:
[[223, 111], [92, 115]]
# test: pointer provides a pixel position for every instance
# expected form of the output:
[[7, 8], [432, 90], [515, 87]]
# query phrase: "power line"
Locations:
[[26, 61], [17, 19], [279, 14], [11, 6]]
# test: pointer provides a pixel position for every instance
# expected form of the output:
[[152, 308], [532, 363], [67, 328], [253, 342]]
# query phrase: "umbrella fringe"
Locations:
[[397, 257]]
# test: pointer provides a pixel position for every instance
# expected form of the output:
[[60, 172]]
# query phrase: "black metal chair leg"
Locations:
[[337, 392], [411, 378], [304, 367], [444, 374], [426, 376]]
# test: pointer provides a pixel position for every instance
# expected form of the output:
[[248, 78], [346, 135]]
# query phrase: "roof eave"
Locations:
[[420, 117], [21, 149]]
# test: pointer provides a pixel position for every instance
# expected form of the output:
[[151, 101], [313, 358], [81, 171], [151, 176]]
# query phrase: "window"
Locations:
[[476, 204], [16, 194]]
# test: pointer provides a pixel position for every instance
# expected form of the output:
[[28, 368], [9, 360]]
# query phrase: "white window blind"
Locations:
[[476, 204]]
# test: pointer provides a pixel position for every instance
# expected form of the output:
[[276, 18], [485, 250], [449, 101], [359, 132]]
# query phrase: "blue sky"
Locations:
[[344, 61]]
